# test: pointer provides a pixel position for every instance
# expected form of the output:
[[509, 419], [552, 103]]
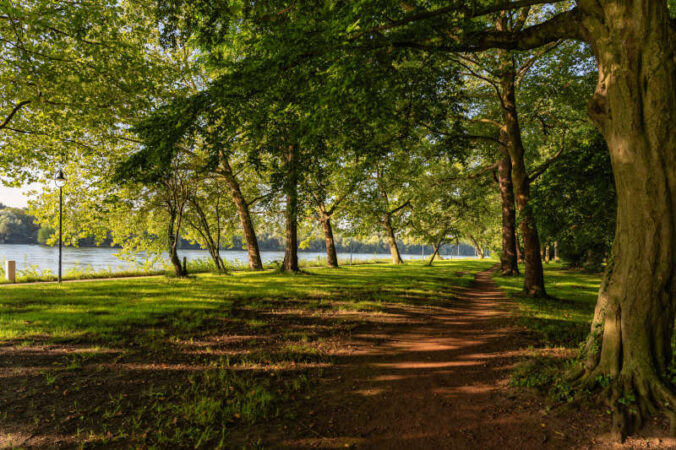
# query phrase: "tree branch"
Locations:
[[254, 200], [400, 207], [544, 166], [16, 109], [488, 121], [525, 67], [565, 25], [459, 136], [459, 8], [472, 176]]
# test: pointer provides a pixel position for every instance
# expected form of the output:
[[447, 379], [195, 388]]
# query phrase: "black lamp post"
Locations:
[[60, 181]]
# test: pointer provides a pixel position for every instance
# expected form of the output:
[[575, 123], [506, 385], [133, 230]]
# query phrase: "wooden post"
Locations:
[[10, 271]]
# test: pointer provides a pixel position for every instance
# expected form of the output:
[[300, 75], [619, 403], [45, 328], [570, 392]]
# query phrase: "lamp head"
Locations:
[[60, 179]]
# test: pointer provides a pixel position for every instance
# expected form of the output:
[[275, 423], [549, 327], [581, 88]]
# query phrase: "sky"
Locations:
[[15, 196]]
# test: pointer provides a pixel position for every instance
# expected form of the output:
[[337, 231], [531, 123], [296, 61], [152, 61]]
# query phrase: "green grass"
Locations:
[[108, 309], [563, 319], [110, 387]]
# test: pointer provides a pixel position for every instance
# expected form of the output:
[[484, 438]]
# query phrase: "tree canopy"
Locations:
[[516, 126]]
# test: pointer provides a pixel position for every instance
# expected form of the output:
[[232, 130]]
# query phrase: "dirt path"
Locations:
[[437, 378]]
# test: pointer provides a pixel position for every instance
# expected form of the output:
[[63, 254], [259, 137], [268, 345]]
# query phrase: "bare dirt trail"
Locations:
[[436, 378]]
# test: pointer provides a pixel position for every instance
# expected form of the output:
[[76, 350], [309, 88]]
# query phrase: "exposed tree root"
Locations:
[[631, 398]]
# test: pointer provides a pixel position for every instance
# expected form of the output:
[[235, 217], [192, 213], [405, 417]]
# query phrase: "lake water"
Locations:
[[103, 258]]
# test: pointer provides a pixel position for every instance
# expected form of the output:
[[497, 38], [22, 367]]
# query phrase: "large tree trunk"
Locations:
[[534, 282], [392, 240], [633, 106], [291, 212], [254, 253], [508, 259], [519, 248], [331, 256]]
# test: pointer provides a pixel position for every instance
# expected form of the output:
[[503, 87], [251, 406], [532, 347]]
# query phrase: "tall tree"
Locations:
[[633, 106], [332, 178]]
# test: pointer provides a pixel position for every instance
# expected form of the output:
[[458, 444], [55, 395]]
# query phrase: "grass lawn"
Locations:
[[565, 318], [561, 323], [160, 362]]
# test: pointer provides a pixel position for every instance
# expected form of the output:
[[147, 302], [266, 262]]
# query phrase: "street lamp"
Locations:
[[60, 181]]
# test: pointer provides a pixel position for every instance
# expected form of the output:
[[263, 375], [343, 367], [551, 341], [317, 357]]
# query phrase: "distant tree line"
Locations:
[[19, 227]]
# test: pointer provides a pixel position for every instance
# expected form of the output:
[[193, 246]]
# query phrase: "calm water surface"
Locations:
[[99, 259]]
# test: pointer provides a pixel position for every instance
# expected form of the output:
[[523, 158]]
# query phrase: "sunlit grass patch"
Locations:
[[562, 321], [564, 318], [103, 309]]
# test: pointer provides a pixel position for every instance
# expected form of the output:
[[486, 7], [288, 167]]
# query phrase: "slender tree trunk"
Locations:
[[534, 283], [556, 251], [215, 254], [218, 261], [254, 254], [291, 211], [633, 106], [204, 229], [547, 253], [173, 243], [434, 253], [331, 256], [477, 248], [392, 240], [508, 258]]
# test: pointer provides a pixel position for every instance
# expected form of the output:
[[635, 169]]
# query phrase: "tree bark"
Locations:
[[392, 240], [434, 253], [203, 228], [519, 248], [508, 259], [291, 212], [534, 283], [331, 256], [633, 106], [477, 248], [254, 254], [173, 238]]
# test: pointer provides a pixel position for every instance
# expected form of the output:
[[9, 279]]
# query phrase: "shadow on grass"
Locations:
[[564, 318], [164, 361]]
